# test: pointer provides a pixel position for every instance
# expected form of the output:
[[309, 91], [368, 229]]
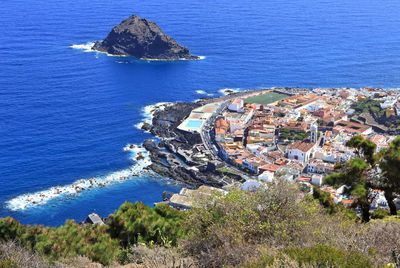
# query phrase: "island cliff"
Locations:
[[142, 39]]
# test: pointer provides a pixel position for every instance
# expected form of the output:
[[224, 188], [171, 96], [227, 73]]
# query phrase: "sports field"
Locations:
[[265, 99]]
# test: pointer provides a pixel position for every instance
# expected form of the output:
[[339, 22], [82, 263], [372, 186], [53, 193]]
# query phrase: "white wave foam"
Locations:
[[148, 113], [85, 47], [88, 48], [202, 92], [226, 91], [179, 59], [138, 154]]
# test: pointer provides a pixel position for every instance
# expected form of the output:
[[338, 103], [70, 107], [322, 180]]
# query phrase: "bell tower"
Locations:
[[314, 133]]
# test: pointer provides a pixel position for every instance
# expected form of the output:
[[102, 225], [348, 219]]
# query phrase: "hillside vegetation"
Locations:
[[268, 227]]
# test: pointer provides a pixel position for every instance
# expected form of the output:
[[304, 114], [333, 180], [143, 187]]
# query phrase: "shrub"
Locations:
[[236, 225], [379, 214], [69, 240], [14, 256], [328, 256], [134, 223], [315, 256]]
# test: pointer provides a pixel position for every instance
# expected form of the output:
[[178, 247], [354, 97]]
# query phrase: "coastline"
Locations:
[[178, 154], [173, 153], [88, 47]]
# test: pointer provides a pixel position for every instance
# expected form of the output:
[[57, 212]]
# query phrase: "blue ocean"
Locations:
[[66, 114]]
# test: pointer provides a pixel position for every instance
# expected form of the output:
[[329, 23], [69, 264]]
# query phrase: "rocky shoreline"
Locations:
[[143, 39], [177, 154]]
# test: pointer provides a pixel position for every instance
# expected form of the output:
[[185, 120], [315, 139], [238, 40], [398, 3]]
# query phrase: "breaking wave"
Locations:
[[202, 92], [138, 154], [85, 47], [88, 48], [148, 113], [226, 91]]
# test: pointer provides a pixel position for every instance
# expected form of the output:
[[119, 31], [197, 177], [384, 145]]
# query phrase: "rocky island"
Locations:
[[142, 39]]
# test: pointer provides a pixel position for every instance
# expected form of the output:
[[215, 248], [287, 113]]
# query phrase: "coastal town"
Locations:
[[295, 134]]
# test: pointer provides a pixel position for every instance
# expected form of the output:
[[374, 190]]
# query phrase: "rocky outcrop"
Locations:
[[142, 39], [172, 156], [166, 121]]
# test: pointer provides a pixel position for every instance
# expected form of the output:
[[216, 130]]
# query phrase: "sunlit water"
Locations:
[[67, 114]]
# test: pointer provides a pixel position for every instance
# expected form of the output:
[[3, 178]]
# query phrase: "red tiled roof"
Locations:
[[303, 146]]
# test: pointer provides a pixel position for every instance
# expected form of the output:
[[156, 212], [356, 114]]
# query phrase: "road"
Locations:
[[209, 143]]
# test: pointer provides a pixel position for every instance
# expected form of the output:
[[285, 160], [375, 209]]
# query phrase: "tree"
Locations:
[[359, 174], [355, 176], [364, 148], [390, 166]]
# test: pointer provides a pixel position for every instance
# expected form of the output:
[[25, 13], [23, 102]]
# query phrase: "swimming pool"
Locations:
[[194, 123]]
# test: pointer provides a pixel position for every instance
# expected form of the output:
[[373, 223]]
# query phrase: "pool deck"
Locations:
[[201, 114]]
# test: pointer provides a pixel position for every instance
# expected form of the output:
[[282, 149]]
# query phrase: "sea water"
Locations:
[[66, 114]]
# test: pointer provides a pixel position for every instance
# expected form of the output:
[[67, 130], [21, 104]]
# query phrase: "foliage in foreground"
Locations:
[[134, 223], [268, 227], [104, 244], [14, 256], [330, 206], [315, 256], [240, 227]]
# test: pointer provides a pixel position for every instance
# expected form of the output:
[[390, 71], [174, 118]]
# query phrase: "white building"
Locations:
[[319, 167], [236, 105], [314, 133], [300, 150], [235, 124], [267, 176], [316, 180], [388, 103]]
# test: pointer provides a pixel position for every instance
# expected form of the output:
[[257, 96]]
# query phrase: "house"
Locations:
[[221, 128], [236, 124], [316, 180], [352, 128], [251, 185], [236, 105], [380, 141], [188, 198], [266, 176], [320, 167], [94, 218], [253, 164], [300, 150], [269, 167]]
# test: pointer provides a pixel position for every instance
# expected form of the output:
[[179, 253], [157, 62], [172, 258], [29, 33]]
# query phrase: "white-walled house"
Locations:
[[300, 150], [236, 105], [320, 167], [316, 180], [267, 176]]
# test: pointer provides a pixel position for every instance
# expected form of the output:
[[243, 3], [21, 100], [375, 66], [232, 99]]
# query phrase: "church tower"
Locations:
[[314, 133]]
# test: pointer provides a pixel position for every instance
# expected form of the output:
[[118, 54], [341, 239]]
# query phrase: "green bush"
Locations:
[[134, 223], [328, 256], [8, 264], [316, 256], [129, 225], [379, 214], [292, 134], [69, 240]]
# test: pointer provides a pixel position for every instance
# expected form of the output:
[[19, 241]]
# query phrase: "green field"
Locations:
[[266, 98]]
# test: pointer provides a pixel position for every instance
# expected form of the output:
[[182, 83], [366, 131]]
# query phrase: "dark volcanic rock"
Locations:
[[149, 145], [142, 39], [146, 127]]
